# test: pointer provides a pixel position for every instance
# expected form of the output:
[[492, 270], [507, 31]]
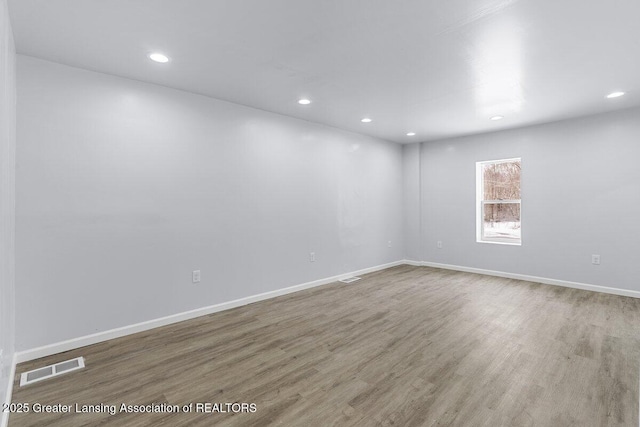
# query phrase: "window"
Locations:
[[498, 201]]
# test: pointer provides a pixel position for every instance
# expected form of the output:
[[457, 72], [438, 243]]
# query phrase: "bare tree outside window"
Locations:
[[499, 201]]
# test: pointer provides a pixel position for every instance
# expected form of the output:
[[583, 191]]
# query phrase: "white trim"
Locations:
[[480, 202], [500, 242], [47, 350], [511, 160], [12, 373], [544, 280], [26, 355]]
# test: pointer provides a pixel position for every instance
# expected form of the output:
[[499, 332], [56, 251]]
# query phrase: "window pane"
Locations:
[[501, 181], [501, 221]]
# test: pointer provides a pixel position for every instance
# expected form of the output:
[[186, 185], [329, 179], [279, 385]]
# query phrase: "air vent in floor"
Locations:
[[350, 279], [51, 371]]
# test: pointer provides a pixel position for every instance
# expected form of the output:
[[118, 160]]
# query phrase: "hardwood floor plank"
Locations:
[[410, 346]]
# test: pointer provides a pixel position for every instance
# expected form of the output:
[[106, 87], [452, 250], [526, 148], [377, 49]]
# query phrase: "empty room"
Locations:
[[319, 213]]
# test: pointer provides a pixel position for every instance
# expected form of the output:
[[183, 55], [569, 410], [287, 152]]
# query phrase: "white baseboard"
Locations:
[[74, 343], [4, 422], [47, 350], [544, 280]]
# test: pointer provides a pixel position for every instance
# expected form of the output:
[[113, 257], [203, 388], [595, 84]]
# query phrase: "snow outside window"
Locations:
[[498, 203]]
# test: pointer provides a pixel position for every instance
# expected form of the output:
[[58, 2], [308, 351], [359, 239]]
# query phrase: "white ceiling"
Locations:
[[438, 68]]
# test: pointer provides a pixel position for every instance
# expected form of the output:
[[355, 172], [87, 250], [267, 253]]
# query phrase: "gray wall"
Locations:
[[411, 186], [124, 188], [7, 195], [580, 196]]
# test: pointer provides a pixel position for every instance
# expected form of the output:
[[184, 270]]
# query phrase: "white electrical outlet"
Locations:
[[389, 243], [439, 244], [196, 276], [312, 257], [595, 259]]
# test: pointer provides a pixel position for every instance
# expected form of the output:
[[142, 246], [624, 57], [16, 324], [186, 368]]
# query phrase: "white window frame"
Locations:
[[480, 204]]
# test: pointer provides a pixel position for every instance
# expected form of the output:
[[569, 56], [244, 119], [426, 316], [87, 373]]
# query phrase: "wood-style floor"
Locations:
[[407, 346]]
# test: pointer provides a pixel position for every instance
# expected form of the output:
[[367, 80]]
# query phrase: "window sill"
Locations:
[[497, 242]]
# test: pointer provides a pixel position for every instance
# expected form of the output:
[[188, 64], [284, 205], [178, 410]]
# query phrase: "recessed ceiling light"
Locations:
[[158, 57], [411, 134], [304, 101], [494, 118], [615, 94], [366, 120]]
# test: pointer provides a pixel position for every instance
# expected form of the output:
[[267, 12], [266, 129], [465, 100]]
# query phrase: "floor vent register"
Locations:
[[51, 371]]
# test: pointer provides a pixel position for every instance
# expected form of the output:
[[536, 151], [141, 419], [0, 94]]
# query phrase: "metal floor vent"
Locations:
[[350, 279], [51, 371]]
